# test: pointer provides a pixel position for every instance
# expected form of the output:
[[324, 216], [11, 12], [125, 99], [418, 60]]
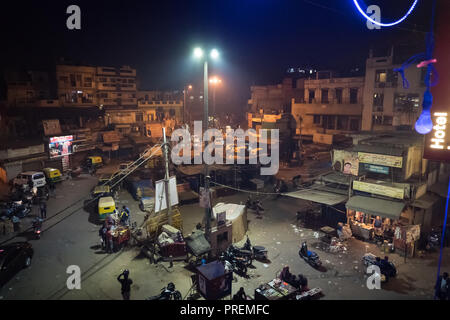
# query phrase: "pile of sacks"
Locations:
[[169, 235]]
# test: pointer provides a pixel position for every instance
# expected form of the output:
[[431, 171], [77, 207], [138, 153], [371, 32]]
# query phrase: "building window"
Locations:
[[378, 99], [338, 95], [316, 119], [329, 122], [387, 121], [139, 117], [312, 94], [354, 124], [377, 119], [386, 78], [324, 95], [342, 123], [72, 80], [380, 76], [406, 102], [353, 95]]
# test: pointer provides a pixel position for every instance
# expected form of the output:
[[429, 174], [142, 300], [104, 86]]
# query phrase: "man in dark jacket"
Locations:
[[126, 284], [441, 287], [43, 207]]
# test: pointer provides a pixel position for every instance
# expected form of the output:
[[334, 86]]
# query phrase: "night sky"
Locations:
[[258, 39]]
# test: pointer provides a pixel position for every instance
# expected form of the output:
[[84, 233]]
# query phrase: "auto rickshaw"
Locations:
[[94, 162], [101, 191], [104, 179], [106, 206], [52, 175]]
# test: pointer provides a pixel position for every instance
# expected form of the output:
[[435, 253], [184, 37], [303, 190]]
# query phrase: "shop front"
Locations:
[[373, 218]]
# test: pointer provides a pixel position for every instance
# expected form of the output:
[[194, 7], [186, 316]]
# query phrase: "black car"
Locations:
[[13, 258]]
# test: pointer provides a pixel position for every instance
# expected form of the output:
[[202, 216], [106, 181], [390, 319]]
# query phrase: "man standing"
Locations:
[[109, 239], [126, 284], [43, 208], [441, 287]]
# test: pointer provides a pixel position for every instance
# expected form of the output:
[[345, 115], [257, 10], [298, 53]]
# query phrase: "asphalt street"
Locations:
[[70, 237]]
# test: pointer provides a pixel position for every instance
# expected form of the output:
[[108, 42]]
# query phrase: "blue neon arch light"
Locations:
[[385, 24]]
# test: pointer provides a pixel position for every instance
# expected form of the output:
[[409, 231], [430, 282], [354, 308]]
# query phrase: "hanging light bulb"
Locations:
[[424, 124]]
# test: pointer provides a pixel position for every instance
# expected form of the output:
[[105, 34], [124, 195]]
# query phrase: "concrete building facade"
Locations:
[[387, 104]]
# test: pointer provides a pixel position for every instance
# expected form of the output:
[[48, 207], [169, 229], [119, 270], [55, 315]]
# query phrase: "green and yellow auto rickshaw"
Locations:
[[52, 175], [106, 206], [94, 162]]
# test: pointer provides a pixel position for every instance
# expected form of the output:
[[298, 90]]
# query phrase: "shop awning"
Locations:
[[376, 207], [318, 196]]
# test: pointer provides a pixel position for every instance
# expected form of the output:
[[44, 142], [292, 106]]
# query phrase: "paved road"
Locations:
[[74, 241]]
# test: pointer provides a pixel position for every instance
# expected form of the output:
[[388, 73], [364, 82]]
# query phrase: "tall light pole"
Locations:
[[199, 54], [189, 87], [214, 81]]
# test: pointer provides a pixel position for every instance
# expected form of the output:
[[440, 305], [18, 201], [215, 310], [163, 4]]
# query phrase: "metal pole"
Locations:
[[184, 104], [205, 127], [443, 236], [166, 179], [214, 103]]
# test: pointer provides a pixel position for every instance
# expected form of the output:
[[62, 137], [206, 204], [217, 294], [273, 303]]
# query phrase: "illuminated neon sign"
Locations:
[[439, 131]]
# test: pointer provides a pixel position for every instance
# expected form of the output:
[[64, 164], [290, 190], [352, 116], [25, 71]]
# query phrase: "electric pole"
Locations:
[[166, 179]]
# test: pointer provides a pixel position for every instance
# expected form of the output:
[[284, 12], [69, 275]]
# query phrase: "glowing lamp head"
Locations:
[[214, 54], [424, 124], [198, 53]]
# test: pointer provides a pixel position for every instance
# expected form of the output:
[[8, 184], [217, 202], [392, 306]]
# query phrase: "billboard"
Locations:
[[60, 146], [380, 159]]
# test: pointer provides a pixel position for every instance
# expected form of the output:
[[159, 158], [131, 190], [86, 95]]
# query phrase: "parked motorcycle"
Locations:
[[387, 268], [236, 264], [167, 293], [310, 257], [258, 252], [19, 209], [433, 240], [254, 204]]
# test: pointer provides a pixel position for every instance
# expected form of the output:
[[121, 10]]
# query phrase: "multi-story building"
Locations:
[[329, 106], [76, 86], [387, 104], [27, 88], [116, 87], [275, 99]]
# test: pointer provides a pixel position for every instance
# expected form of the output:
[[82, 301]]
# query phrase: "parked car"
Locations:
[[13, 258], [24, 178]]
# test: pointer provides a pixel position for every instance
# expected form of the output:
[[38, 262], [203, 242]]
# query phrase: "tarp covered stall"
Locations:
[[376, 207], [319, 196], [237, 215]]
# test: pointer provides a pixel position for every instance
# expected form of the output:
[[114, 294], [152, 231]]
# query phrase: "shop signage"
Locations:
[[380, 159], [374, 188], [437, 144], [376, 169]]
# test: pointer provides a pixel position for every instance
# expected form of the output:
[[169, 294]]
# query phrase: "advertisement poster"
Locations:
[[380, 159], [60, 146]]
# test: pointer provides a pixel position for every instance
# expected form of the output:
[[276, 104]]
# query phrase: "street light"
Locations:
[[214, 54]]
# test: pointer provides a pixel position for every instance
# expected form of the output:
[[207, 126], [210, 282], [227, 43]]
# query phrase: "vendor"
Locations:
[[377, 223]]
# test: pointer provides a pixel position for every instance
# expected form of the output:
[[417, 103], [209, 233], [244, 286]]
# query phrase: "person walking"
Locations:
[[43, 208], [441, 287], [109, 239], [126, 284]]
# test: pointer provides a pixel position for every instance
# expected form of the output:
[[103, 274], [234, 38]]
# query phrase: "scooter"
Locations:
[[167, 293], [37, 228], [233, 263], [254, 204], [259, 252], [310, 257], [433, 240]]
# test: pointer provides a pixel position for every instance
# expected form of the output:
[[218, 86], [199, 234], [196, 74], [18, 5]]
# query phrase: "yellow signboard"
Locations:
[[392, 192], [380, 159]]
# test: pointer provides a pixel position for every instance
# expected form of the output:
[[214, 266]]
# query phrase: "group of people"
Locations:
[[108, 227]]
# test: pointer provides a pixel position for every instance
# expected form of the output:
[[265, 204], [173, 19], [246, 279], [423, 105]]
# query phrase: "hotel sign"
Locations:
[[437, 143], [380, 159], [374, 188]]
